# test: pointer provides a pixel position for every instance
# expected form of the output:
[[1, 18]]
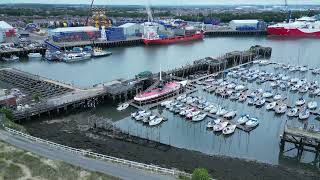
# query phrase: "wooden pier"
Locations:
[[98, 43], [229, 32], [303, 139], [22, 52]]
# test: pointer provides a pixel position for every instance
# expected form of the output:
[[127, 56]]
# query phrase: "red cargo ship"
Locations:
[[303, 27], [176, 39]]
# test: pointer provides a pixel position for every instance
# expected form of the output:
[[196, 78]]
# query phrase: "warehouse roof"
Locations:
[[5, 25], [245, 21], [127, 25], [75, 29]]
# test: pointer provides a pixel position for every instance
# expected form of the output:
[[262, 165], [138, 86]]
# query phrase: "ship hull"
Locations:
[[174, 40], [293, 32], [169, 89]]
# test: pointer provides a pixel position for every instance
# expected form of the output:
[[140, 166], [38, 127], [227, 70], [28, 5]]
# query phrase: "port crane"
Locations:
[[87, 20]]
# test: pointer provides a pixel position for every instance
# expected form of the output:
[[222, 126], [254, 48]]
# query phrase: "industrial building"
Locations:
[[248, 24], [132, 29], [6, 31], [75, 34]]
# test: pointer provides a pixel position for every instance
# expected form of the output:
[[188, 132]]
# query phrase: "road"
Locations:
[[105, 167]]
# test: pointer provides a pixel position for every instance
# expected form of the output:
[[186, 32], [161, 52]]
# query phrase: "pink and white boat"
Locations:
[[167, 88]]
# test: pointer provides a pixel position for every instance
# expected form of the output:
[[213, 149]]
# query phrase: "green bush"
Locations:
[[7, 112], [200, 174]]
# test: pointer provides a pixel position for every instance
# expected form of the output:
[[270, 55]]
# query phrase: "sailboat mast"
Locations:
[[160, 74]]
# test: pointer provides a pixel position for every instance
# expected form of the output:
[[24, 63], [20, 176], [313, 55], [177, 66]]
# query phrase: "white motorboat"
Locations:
[[191, 114], [219, 126], [277, 97], [242, 97], [165, 103], [12, 58], [208, 108], [199, 117], [155, 121], [74, 57], [304, 114], [274, 84], [281, 108], [133, 115], [294, 80], [300, 102], [253, 122], [214, 109], [260, 102], [295, 87], [271, 105], [229, 129], [240, 87], [34, 56], [123, 106], [231, 85], [315, 91], [267, 94], [141, 116], [179, 98], [152, 117], [230, 115], [243, 119], [217, 121], [221, 112], [303, 68], [100, 53], [303, 89], [312, 105], [293, 112]]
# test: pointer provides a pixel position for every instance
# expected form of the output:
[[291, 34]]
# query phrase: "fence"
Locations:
[[101, 156]]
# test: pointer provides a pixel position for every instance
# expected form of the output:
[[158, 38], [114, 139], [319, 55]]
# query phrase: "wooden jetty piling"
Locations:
[[303, 139]]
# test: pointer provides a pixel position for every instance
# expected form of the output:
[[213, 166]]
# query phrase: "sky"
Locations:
[[165, 2]]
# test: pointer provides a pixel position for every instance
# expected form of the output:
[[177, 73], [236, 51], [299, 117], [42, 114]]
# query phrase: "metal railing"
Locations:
[[82, 152]]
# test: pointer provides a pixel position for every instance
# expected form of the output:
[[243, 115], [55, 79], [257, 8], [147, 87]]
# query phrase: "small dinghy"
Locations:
[[271, 105], [192, 114], [220, 126], [293, 112], [210, 125], [253, 122], [230, 115], [300, 102], [304, 114], [229, 129], [222, 111], [281, 108], [123, 106], [312, 105], [155, 121], [243, 119]]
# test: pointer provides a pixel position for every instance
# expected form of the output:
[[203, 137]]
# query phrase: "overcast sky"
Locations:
[[165, 2]]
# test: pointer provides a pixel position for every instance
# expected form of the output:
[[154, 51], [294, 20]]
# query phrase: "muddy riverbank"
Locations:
[[77, 134]]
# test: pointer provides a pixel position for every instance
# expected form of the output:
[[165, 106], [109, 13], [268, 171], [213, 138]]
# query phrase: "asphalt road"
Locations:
[[105, 167]]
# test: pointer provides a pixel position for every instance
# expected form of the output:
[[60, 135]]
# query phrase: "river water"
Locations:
[[262, 144]]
